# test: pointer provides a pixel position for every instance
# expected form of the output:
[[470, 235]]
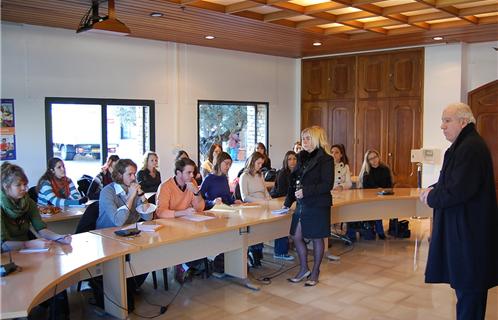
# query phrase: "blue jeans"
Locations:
[[281, 246]]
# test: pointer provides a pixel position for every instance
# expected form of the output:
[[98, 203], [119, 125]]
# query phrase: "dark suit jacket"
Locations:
[[317, 179], [464, 246]]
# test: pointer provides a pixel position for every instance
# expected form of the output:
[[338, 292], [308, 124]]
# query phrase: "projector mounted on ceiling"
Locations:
[[94, 23]]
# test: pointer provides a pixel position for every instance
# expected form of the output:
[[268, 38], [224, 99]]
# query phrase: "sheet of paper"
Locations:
[[197, 217], [144, 227], [34, 250], [280, 211]]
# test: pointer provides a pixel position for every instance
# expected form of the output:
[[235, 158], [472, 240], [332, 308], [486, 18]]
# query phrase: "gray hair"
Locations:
[[462, 111]]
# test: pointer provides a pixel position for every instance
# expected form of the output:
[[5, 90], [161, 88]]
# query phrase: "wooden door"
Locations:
[[371, 129], [404, 135], [341, 126], [373, 76], [315, 80], [484, 104], [342, 78], [314, 113], [405, 74]]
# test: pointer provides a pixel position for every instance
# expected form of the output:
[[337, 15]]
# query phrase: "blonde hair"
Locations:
[[318, 138], [365, 167], [147, 155]]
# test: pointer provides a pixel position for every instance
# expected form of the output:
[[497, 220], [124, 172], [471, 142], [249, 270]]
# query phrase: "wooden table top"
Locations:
[[41, 272], [353, 196], [67, 213], [179, 229]]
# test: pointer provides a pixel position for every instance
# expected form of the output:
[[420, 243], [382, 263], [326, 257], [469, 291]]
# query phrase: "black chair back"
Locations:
[[84, 184], [88, 221], [33, 194]]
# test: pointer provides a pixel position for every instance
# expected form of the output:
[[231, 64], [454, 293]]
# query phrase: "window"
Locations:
[[237, 126], [84, 132]]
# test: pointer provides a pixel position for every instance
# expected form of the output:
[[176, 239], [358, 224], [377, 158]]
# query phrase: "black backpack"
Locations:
[[399, 229]]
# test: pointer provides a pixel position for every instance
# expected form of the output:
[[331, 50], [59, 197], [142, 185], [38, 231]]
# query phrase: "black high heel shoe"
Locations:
[[299, 279]]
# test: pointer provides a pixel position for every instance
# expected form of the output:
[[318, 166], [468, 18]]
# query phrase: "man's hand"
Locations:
[[192, 187], [299, 194], [424, 194]]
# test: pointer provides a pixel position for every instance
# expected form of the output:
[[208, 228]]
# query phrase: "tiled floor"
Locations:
[[373, 280]]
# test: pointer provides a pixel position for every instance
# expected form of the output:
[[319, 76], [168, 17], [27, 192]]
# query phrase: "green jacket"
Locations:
[[16, 218]]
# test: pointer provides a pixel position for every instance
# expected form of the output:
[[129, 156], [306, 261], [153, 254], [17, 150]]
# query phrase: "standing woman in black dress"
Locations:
[[310, 185]]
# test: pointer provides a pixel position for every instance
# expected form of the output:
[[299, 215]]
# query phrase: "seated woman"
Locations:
[[280, 189], [253, 189], [342, 176], [182, 154], [103, 178], [215, 188], [19, 212], [374, 174], [149, 177], [118, 204], [54, 188], [261, 148], [207, 166]]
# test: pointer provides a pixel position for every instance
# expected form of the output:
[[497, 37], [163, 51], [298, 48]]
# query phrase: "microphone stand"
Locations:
[[10, 267]]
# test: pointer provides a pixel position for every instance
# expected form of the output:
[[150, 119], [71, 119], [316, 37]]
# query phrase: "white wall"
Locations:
[[451, 71], [40, 62]]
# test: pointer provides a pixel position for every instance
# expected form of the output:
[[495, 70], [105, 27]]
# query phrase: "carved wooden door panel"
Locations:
[[484, 104], [314, 113], [405, 74], [373, 80], [404, 135], [341, 126], [315, 80], [341, 73], [371, 129]]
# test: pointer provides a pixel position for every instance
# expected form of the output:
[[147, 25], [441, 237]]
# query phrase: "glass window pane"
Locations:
[[76, 138], [128, 131], [238, 127]]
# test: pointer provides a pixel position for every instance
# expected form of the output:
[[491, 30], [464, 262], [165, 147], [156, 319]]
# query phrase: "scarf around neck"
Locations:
[[12, 209], [60, 187]]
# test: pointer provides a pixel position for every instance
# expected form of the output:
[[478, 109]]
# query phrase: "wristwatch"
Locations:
[[140, 194], [196, 193]]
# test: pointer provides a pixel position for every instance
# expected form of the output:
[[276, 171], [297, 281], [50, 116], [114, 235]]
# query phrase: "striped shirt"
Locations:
[[46, 195]]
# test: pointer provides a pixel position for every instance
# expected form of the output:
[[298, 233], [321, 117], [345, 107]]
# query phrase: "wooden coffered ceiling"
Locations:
[[281, 27]]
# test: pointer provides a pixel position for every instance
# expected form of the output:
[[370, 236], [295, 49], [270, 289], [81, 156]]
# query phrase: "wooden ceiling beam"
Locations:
[[478, 10], [241, 6], [337, 30], [381, 23], [311, 23], [354, 16], [322, 7], [428, 17], [415, 6], [359, 2], [448, 9], [284, 14], [447, 3]]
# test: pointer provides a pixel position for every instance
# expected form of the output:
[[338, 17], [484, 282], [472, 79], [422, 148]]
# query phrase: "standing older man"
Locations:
[[464, 247]]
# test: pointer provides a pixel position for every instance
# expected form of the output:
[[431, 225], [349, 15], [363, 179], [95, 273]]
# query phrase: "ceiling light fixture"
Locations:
[[437, 38], [209, 37], [156, 14], [109, 24], [317, 43]]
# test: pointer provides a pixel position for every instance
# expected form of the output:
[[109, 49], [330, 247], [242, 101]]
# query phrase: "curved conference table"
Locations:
[[230, 231]]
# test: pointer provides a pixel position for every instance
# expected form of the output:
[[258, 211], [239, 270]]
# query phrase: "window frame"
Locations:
[[103, 103], [240, 103]]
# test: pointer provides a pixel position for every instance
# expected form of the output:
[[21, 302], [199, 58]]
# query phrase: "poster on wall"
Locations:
[[7, 130]]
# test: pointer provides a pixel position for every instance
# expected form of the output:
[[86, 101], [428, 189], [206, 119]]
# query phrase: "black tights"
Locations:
[[302, 253]]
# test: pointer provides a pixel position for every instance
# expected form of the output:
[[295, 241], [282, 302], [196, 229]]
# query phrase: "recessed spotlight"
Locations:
[[156, 14], [317, 43], [437, 38], [209, 37]]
